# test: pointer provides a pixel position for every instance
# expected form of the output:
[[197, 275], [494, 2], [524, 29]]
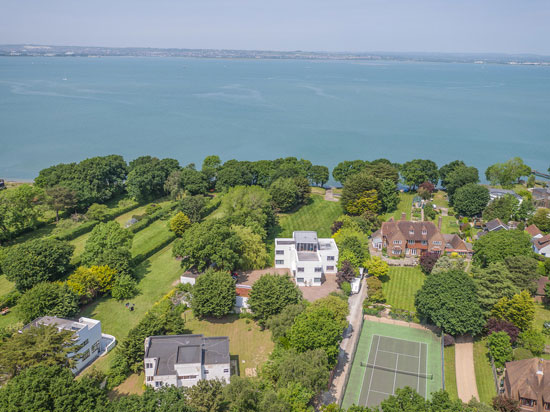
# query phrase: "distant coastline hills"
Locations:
[[82, 51]]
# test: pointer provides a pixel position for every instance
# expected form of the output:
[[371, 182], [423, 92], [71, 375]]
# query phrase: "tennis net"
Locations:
[[383, 368]]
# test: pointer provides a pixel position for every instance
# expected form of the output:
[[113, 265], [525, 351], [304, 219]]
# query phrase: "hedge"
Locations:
[[156, 248], [147, 220]]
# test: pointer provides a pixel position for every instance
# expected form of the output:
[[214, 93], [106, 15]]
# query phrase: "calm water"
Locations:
[[66, 109]]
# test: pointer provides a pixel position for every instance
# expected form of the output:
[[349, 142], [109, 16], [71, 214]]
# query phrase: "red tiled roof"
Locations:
[[533, 230], [542, 241]]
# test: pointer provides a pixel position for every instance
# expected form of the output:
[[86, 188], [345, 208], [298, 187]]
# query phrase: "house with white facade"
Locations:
[[87, 333], [495, 193], [309, 258], [183, 360]]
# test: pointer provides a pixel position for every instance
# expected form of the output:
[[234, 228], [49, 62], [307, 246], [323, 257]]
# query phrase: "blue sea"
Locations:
[[66, 109]]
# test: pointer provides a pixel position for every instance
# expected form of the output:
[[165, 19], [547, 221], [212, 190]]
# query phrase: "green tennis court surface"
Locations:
[[389, 357], [393, 364]]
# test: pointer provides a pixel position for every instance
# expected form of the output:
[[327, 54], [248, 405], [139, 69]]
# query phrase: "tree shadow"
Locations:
[[142, 270]]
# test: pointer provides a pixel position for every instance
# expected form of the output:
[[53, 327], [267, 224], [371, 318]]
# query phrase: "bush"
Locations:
[[373, 310], [522, 353], [532, 340], [9, 299], [124, 287], [501, 325], [500, 348], [346, 288], [448, 340], [428, 261], [149, 219], [151, 208], [47, 299]]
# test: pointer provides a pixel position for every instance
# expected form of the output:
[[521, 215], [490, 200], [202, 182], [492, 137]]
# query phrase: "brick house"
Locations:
[[527, 381], [407, 238]]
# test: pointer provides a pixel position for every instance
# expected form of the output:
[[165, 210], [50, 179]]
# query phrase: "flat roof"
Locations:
[[59, 322], [308, 256], [305, 236]]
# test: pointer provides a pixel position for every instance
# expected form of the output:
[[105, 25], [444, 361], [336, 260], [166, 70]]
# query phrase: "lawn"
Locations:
[[402, 285], [317, 215], [484, 374], [449, 224], [157, 275], [450, 372], [247, 341], [156, 233], [404, 206], [5, 285], [440, 199], [318, 190], [79, 243], [542, 315]]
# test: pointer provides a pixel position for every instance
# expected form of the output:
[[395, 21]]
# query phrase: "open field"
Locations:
[[247, 341], [484, 373], [317, 215], [401, 287], [450, 372], [404, 206]]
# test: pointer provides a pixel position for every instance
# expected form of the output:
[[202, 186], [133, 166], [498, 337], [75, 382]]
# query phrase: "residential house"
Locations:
[[183, 360], [241, 300], [534, 231], [540, 294], [498, 193], [528, 381], [87, 333], [541, 245], [407, 238], [494, 225], [309, 258]]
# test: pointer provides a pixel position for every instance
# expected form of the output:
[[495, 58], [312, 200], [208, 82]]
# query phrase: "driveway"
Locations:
[[312, 293], [465, 371], [250, 277]]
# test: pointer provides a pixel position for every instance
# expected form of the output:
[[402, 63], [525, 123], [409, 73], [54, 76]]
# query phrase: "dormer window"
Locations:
[[424, 232], [527, 402], [411, 232]]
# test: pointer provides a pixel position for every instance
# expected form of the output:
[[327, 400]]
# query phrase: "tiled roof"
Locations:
[[541, 284], [523, 375], [242, 292], [533, 230], [495, 223], [542, 242]]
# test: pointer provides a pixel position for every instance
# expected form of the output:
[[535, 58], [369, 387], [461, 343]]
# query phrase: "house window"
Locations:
[[437, 242], [424, 232], [330, 257], [413, 251], [280, 252], [318, 269], [279, 262], [410, 242], [158, 384], [300, 280], [527, 402], [189, 377], [396, 242], [85, 342], [148, 365], [95, 346], [85, 355], [206, 372], [411, 232], [330, 268], [226, 371], [424, 242], [546, 406], [149, 378], [396, 251], [300, 269]]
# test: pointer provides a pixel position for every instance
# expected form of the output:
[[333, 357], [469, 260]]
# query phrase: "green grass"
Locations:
[[401, 287], [484, 374], [79, 243], [450, 372], [246, 340], [449, 224], [404, 206], [440, 199], [156, 233], [542, 315], [5, 285]]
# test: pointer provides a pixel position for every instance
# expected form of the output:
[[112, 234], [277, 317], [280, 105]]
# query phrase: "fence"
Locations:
[[346, 378]]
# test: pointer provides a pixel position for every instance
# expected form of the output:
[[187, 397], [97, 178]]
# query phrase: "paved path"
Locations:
[[465, 372], [335, 394], [329, 196]]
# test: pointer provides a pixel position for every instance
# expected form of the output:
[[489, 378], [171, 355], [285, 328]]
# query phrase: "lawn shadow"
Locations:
[[142, 270]]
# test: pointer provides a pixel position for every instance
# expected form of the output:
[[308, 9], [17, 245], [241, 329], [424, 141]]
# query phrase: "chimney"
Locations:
[[439, 222], [540, 373], [403, 216]]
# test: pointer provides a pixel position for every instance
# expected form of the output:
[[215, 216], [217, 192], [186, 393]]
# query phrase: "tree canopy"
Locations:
[[417, 171], [148, 176], [271, 294], [213, 294], [508, 173], [20, 209], [470, 199], [498, 245], [47, 299]]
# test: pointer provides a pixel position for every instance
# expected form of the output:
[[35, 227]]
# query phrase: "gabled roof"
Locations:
[[422, 230], [533, 230], [541, 242], [455, 242], [494, 224], [529, 377]]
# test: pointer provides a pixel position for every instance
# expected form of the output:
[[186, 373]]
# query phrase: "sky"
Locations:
[[453, 26]]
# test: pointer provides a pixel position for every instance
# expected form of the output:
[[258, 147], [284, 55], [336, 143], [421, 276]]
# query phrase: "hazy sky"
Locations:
[[521, 26]]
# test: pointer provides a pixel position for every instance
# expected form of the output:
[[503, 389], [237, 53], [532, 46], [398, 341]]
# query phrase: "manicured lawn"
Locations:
[[156, 233], [440, 199], [5, 285], [318, 215], [484, 374], [133, 385], [448, 224], [404, 206], [401, 287], [542, 315], [318, 190], [157, 275], [246, 340], [122, 219], [79, 244], [450, 372]]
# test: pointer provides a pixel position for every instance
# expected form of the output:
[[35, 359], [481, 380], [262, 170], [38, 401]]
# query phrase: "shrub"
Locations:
[[124, 287], [346, 288], [428, 261], [532, 340], [9, 299], [501, 325], [500, 348], [179, 224], [97, 212], [448, 340], [151, 208], [522, 353]]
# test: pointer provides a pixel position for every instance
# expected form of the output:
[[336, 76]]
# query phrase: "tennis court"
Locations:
[[389, 357], [392, 364]]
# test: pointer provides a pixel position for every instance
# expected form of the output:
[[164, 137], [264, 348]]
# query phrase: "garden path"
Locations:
[[465, 372]]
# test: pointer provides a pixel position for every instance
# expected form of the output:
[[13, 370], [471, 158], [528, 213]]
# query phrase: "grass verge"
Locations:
[[450, 372], [484, 374]]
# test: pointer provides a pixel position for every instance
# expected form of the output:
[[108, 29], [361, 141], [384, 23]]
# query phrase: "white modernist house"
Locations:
[[183, 360], [87, 333], [308, 257]]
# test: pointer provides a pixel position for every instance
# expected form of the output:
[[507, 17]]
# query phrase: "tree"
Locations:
[[353, 245], [194, 207], [367, 202], [388, 195], [316, 328], [284, 194], [523, 272], [47, 299], [318, 175], [541, 219], [253, 254], [109, 244], [355, 187], [213, 294], [193, 181], [428, 261], [147, 177], [19, 210], [234, 173], [377, 267], [271, 294], [506, 174], [418, 171], [210, 167], [206, 395], [500, 348], [243, 395], [346, 272], [173, 185], [35, 261], [504, 404], [345, 169], [532, 340], [61, 198], [165, 399], [500, 325], [53, 389], [458, 177], [336, 304], [520, 310], [498, 245], [446, 264], [210, 243], [470, 199], [449, 301], [97, 212], [89, 282], [280, 324], [492, 284], [179, 224], [427, 186], [504, 208], [124, 287], [38, 345]]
